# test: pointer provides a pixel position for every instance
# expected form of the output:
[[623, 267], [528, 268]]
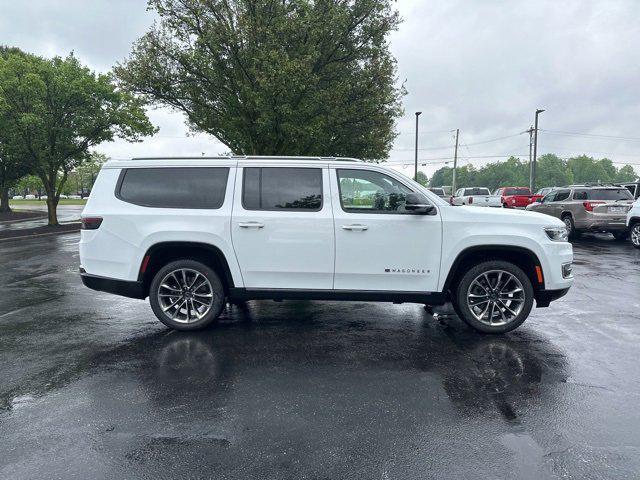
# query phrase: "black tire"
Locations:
[[634, 232], [191, 267], [464, 311], [620, 236], [571, 227]]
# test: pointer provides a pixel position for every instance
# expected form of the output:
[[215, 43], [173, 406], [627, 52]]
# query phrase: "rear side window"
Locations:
[[275, 188], [174, 187], [610, 194]]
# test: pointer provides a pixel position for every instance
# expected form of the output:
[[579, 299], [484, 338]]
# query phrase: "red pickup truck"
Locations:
[[516, 197]]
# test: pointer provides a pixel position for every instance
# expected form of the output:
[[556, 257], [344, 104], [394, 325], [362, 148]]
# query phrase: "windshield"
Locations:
[[609, 194], [437, 191], [517, 191], [476, 191]]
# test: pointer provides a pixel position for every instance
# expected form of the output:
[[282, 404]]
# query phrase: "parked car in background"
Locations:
[[477, 197], [633, 223], [17, 197], [196, 233], [516, 197], [589, 208], [440, 192], [75, 197], [544, 191], [29, 197], [634, 188]]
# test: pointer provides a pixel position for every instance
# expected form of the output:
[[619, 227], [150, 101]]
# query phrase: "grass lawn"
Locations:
[[32, 203]]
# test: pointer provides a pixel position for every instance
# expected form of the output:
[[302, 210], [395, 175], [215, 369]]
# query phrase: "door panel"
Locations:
[[388, 250], [282, 232]]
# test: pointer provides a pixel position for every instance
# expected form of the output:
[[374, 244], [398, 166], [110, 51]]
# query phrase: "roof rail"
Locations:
[[255, 157]]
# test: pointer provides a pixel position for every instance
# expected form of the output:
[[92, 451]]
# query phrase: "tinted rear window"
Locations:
[[476, 191], [282, 189], [609, 194], [517, 191], [177, 187]]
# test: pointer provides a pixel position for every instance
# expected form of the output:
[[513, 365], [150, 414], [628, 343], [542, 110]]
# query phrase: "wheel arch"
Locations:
[[524, 258], [162, 253]]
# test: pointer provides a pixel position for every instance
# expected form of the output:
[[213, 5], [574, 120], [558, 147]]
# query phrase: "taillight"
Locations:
[[470, 200], [588, 206], [91, 223]]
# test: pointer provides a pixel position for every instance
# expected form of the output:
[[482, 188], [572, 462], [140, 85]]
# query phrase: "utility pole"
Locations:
[[530, 132], [415, 175], [455, 164], [535, 153]]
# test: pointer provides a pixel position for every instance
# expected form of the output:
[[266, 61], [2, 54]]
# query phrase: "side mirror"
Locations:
[[418, 204]]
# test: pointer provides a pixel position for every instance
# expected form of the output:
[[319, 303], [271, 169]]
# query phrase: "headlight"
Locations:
[[557, 234]]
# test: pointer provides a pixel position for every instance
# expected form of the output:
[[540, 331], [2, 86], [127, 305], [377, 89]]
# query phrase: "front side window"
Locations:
[[367, 191], [275, 188], [550, 197], [562, 195], [179, 187]]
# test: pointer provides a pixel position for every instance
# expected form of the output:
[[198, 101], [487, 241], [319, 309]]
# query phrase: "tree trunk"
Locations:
[[52, 205], [4, 199]]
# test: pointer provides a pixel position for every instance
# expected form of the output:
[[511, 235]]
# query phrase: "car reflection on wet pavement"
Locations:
[[93, 386]]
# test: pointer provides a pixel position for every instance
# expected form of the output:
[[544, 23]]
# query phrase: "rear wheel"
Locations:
[[186, 295], [494, 297], [635, 235]]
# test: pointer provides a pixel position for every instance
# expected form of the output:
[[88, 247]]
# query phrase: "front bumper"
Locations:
[[111, 285], [545, 297]]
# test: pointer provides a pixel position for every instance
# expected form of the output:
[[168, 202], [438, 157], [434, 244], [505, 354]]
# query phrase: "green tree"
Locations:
[[290, 77], [60, 110], [423, 179], [81, 180], [12, 164], [552, 171], [626, 174], [29, 184]]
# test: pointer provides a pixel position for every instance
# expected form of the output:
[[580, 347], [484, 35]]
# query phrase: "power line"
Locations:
[[444, 147], [592, 135]]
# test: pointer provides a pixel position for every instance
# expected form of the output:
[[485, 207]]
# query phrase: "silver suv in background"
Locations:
[[589, 208]]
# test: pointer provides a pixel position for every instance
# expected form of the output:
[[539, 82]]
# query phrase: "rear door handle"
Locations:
[[356, 227], [250, 225]]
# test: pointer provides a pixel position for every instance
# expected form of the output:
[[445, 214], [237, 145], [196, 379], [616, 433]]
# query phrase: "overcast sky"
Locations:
[[481, 66]]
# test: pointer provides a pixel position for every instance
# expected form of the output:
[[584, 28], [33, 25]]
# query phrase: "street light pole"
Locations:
[[530, 132], [535, 152], [455, 164], [415, 175]]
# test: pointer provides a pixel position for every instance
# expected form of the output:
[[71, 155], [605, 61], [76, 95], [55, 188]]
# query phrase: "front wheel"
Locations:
[[186, 295], [635, 235], [494, 297], [570, 226]]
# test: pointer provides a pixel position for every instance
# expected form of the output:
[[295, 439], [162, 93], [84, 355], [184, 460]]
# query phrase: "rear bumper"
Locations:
[[111, 285], [545, 297], [603, 223]]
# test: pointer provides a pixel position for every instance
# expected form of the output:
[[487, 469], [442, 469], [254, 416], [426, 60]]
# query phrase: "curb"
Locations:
[[45, 234]]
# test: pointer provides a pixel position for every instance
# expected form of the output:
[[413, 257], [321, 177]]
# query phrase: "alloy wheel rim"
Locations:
[[185, 295], [567, 223], [635, 235], [496, 297]]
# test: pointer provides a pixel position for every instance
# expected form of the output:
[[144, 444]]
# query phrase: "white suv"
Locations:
[[194, 233], [633, 223]]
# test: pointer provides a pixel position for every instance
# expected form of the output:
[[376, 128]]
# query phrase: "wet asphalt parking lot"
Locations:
[[92, 386]]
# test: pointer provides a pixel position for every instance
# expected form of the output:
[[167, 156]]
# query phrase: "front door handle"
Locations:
[[357, 227], [250, 225]]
